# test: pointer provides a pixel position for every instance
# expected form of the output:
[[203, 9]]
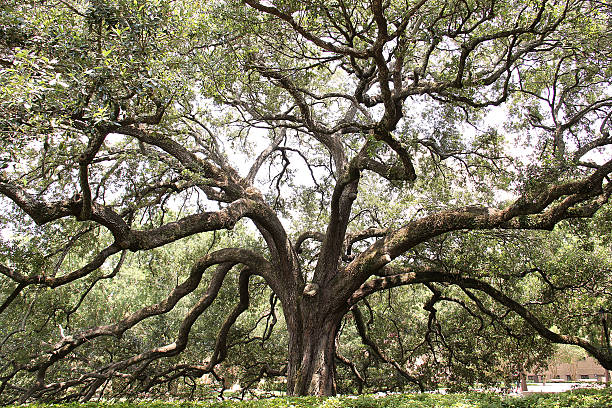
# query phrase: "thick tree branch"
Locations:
[[317, 236], [343, 196], [525, 213], [14, 293], [45, 212]]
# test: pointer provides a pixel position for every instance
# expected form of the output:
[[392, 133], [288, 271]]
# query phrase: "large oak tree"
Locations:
[[130, 125]]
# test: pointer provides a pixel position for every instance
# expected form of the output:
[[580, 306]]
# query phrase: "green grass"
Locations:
[[573, 399]]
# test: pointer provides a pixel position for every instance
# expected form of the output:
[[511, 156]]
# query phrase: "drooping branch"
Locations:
[[172, 349], [225, 258], [56, 281], [353, 367], [220, 349], [361, 329], [220, 352], [430, 275], [264, 371], [50, 279]]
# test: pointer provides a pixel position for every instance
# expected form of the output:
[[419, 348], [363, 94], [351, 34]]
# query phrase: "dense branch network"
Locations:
[[344, 81]]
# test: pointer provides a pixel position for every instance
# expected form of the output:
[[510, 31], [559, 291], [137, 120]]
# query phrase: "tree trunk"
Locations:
[[523, 381], [312, 350]]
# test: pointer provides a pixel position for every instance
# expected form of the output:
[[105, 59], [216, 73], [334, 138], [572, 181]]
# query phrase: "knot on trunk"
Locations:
[[311, 289]]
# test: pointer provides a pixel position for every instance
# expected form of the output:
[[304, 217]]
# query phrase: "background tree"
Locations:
[[131, 126]]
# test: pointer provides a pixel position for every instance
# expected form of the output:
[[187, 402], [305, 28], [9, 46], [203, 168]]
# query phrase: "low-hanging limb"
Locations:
[[264, 371], [220, 349], [270, 318], [353, 367], [495, 319], [173, 373], [361, 329], [84, 294], [430, 275], [225, 258]]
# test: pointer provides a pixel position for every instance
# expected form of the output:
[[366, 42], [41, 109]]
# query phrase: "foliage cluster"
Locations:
[[573, 399]]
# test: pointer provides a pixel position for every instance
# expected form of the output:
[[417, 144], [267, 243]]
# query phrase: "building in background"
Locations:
[[586, 368]]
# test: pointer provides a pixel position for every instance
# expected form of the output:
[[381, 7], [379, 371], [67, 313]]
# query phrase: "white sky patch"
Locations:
[[114, 139]]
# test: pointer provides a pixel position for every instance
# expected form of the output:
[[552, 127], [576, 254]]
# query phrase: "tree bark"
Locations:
[[312, 350]]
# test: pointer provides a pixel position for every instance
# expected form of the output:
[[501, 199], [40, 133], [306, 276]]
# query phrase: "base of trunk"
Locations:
[[312, 366]]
